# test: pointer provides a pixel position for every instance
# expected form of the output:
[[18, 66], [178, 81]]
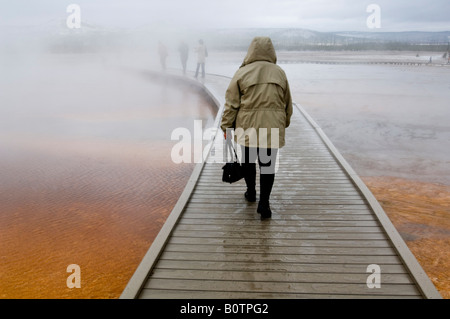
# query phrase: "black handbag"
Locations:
[[232, 171]]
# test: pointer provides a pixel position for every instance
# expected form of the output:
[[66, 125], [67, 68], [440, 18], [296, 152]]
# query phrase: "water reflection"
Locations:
[[86, 174]]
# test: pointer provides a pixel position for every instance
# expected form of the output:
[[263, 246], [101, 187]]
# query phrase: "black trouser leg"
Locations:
[[266, 159], [250, 177], [248, 159], [266, 185]]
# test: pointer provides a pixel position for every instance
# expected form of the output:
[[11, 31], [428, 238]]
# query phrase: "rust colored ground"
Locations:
[[86, 180], [100, 212], [421, 213]]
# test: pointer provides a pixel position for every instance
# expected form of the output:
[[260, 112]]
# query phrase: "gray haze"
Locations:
[[323, 15]]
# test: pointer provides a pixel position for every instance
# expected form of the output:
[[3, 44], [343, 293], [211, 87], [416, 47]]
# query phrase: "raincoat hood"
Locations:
[[258, 103], [261, 49]]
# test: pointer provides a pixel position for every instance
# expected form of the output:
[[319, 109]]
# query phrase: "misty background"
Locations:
[[326, 16], [135, 24]]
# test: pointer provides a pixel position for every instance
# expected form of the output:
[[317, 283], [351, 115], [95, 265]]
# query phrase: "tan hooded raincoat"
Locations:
[[258, 100]]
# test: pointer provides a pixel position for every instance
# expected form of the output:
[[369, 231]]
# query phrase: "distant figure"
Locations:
[[162, 51], [202, 54], [184, 54], [431, 60], [258, 106]]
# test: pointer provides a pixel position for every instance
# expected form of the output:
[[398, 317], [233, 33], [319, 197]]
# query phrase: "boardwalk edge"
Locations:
[[137, 281], [424, 283]]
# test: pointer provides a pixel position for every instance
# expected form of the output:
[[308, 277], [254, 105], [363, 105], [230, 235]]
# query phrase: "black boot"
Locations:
[[266, 161], [250, 196], [264, 210], [266, 183]]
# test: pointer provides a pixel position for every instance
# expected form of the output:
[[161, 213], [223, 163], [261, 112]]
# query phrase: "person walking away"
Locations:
[[184, 54], [162, 51], [202, 54], [258, 106]]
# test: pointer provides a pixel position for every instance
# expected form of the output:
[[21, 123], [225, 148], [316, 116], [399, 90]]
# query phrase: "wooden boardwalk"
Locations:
[[326, 229]]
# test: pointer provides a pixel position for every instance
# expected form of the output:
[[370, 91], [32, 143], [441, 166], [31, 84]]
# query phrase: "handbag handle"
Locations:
[[229, 144]]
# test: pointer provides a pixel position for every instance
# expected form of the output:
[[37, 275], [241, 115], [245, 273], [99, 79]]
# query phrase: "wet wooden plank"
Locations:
[[276, 206], [355, 236], [302, 188], [249, 213], [301, 173], [274, 276], [320, 201], [282, 287], [279, 267], [281, 197], [279, 258], [277, 242], [279, 229], [301, 164], [187, 294], [286, 180], [293, 213], [280, 222], [280, 191], [309, 207], [284, 250]]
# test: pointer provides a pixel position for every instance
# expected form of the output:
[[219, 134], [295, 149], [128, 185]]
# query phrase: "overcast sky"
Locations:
[[320, 15]]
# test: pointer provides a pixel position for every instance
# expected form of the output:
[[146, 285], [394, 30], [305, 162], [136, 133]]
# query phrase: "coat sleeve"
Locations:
[[232, 104], [288, 99]]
